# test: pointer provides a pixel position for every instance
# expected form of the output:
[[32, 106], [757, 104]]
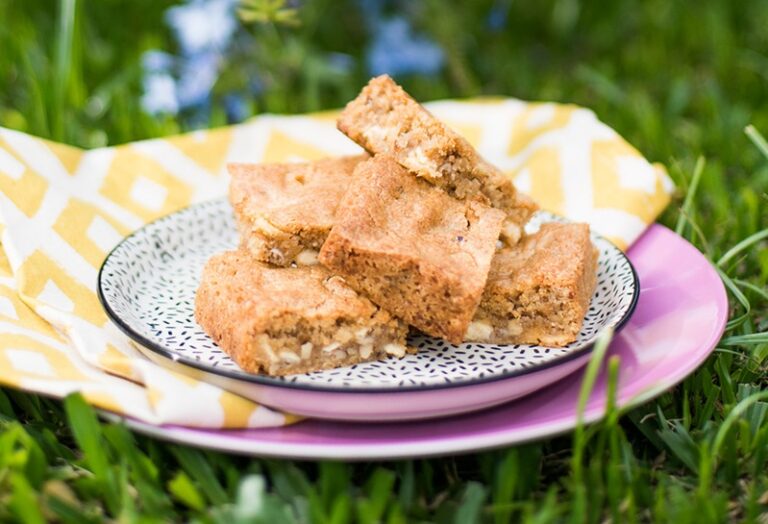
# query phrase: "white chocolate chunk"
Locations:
[[277, 255], [344, 335], [308, 257], [261, 225], [514, 327], [478, 331], [366, 350], [331, 347], [362, 336], [511, 233], [376, 133], [290, 357], [306, 350], [396, 350], [416, 158], [266, 347], [338, 285]]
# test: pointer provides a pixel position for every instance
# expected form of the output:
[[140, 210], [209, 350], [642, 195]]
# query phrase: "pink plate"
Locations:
[[680, 316]]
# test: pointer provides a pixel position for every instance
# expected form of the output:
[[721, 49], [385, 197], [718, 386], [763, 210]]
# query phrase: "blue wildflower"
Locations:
[[372, 10], [497, 16], [159, 94], [154, 61], [159, 87], [256, 85], [340, 62], [203, 25], [235, 107], [204, 30], [198, 75], [397, 50]]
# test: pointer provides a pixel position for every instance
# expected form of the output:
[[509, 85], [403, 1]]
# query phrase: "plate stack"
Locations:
[[300, 295], [156, 309]]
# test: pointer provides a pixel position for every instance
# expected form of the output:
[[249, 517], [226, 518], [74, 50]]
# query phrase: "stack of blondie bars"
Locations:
[[339, 258]]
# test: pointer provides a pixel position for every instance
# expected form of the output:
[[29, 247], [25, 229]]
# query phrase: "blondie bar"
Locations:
[[413, 249], [281, 321], [539, 290], [384, 119], [285, 211]]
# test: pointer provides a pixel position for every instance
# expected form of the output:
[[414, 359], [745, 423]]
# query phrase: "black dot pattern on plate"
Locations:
[[150, 280]]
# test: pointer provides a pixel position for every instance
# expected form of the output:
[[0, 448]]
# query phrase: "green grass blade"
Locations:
[[198, 468], [593, 368], [87, 432], [741, 246], [86, 429], [471, 506], [702, 237], [63, 65], [379, 491], [507, 476], [763, 293], [24, 502], [745, 340], [739, 296], [68, 514], [733, 417], [6, 409], [687, 206], [758, 139], [183, 489]]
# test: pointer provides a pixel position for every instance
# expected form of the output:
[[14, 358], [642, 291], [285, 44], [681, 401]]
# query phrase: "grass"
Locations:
[[686, 84]]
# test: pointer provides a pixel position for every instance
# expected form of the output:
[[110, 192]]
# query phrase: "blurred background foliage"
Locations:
[[81, 80], [680, 80], [677, 81]]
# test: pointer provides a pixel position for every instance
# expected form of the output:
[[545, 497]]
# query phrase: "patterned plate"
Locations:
[[680, 316], [147, 285]]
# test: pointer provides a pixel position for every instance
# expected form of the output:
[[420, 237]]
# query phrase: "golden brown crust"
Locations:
[[284, 209], [264, 317], [538, 291], [412, 248], [384, 119]]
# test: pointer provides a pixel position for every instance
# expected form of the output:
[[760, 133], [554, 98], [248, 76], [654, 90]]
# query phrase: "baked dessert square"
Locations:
[[538, 291], [384, 119], [411, 248], [285, 211], [281, 321]]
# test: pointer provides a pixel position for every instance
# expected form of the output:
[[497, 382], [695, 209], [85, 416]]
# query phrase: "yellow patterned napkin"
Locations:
[[63, 209]]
